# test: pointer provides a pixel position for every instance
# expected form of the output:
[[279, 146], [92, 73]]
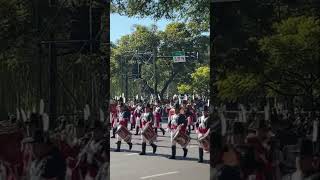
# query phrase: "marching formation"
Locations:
[[146, 118], [78, 149]]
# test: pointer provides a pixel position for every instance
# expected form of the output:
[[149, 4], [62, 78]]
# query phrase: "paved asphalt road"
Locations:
[[129, 165]]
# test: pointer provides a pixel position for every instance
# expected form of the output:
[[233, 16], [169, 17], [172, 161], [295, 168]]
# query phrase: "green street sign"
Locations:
[[179, 56]]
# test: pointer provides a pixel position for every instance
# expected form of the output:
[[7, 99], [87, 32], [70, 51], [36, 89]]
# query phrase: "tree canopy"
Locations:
[[196, 11], [285, 63], [176, 36], [200, 80]]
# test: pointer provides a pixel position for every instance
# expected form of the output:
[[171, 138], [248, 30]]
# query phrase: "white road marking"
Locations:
[[157, 175], [131, 154]]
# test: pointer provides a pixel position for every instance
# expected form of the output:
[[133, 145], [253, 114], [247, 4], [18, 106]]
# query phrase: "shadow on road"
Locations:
[[178, 158]]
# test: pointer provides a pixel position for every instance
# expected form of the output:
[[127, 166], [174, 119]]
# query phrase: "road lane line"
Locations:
[[157, 175]]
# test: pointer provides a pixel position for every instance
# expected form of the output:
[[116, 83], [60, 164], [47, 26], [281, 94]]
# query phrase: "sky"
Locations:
[[122, 25]]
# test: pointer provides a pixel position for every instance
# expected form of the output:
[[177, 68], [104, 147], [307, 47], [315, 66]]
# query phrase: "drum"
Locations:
[[124, 133], [181, 138], [204, 141], [149, 133]]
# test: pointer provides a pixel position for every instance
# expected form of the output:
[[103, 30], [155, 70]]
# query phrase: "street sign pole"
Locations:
[[179, 56]]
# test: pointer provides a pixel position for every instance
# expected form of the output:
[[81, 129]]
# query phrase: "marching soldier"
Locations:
[[137, 116], [147, 117], [157, 117], [113, 116], [202, 128], [132, 118], [190, 116], [174, 122], [123, 121]]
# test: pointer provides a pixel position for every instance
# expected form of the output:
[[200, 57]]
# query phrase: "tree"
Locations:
[[286, 64], [292, 65], [19, 39], [199, 84], [196, 11], [176, 37]]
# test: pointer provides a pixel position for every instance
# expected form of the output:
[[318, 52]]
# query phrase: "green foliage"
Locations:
[[190, 10], [293, 55], [284, 63], [176, 37], [237, 85], [200, 81], [184, 89]]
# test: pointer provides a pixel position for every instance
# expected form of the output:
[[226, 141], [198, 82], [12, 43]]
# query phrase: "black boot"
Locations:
[[118, 146], [163, 131], [143, 152], [192, 127], [185, 152], [189, 128], [200, 155], [130, 145], [137, 131], [173, 149], [154, 148], [156, 131], [132, 126]]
